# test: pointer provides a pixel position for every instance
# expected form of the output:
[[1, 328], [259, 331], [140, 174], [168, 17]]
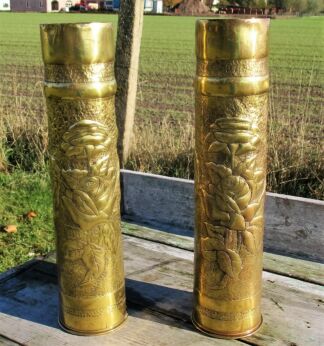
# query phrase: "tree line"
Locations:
[[301, 6]]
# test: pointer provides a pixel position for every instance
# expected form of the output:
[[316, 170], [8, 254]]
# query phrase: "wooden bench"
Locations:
[[159, 276]]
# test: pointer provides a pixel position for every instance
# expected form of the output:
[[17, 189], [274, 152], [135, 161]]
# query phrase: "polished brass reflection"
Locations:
[[231, 114], [80, 90]]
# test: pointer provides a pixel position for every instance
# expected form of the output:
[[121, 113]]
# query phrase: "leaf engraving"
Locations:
[[85, 203], [250, 211], [249, 241], [232, 198], [229, 262], [94, 259], [213, 231], [86, 171]]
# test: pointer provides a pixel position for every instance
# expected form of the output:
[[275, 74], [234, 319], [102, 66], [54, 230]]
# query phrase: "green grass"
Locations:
[[167, 59], [168, 41], [19, 193], [167, 53], [20, 38]]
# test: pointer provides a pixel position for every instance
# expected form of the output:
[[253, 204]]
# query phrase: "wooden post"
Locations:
[[129, 36]]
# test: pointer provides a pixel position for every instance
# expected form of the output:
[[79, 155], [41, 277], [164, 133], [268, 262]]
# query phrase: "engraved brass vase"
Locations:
[[230, 169], [80, 95]]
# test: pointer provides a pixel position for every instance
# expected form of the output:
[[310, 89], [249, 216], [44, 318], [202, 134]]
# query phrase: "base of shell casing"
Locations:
[[91, 333], [213, 334]]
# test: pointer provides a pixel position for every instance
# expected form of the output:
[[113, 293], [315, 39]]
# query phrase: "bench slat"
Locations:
[[312, 272], [294, 225]]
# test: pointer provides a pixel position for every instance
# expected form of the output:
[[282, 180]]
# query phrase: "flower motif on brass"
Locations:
[[231, 198]]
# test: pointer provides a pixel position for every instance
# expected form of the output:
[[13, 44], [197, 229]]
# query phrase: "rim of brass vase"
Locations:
[[95, 333], [251, 32], [226, 336], [77, 43]]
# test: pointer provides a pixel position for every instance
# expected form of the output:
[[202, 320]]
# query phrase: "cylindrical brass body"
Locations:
[[80, 92], [230, 171]]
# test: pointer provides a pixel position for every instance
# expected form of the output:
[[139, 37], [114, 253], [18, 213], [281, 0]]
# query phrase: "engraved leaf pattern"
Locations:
[[94, 259], [229, 262], [88, 197], [231, 198], [249, 241]]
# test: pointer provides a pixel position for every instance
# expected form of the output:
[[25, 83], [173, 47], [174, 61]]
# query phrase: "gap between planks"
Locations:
[[306, 271], [5, 341]]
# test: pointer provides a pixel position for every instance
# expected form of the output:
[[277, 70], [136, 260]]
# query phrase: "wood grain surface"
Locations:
[[158, 288]]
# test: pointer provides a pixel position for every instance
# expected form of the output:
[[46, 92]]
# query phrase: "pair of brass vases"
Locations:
[[231, 112]]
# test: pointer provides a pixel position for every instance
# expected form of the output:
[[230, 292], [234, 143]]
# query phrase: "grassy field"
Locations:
[[164, 133], [165, 99], [163, 141], [20, 193]]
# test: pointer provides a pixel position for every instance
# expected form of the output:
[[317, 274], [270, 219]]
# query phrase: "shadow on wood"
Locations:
[[32, 295], [156, 297], [158, 288]]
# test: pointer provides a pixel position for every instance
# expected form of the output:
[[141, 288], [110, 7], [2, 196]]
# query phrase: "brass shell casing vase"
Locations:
[[230, 170], [80, 95]]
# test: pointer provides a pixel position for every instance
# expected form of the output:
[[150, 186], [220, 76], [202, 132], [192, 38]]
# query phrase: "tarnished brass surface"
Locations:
[[79, 89], [230, 170]]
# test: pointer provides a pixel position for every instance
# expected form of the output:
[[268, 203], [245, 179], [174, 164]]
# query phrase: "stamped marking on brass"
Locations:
[[94, 312], [225, 316]]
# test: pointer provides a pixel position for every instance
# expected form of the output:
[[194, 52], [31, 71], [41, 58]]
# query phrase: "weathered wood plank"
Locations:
[[18, 269], [312, 272], [163, 200], [141, 328], [160, 278], [28, 315], [159, 284], [6, 342], [158, 236], [307, 271], [293, 310], [294, 225], [129, 36]]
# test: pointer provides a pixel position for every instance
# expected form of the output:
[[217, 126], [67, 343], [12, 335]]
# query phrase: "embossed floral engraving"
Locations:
[[87, 195], [232, 199]]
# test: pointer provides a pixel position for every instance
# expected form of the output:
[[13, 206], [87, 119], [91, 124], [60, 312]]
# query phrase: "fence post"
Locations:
[[129, 36]]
